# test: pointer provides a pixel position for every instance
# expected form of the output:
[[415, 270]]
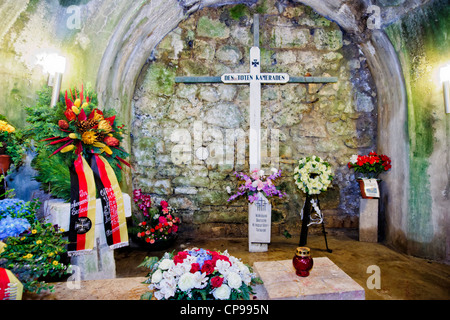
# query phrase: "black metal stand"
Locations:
[[305, 222]]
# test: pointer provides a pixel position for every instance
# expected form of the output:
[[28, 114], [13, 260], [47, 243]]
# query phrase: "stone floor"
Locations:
[[402, 277]]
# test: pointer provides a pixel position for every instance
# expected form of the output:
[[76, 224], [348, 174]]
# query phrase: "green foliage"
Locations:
[[35, 254]]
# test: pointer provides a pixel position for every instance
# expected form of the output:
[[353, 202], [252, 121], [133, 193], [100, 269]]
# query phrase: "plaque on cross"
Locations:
[[255, 79]]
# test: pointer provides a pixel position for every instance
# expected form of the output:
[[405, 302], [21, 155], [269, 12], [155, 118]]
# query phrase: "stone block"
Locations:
[[325, 282], [368, 220], [98, 264]]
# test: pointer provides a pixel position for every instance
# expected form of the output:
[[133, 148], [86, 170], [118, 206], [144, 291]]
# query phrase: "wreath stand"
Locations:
[[306, 220]]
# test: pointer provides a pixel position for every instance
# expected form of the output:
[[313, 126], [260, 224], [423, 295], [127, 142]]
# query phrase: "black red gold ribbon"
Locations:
[[84, 181]]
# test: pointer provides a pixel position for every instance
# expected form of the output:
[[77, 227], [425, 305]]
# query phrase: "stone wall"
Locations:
[[333, 121]]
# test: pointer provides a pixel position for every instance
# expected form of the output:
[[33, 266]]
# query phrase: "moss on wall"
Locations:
[[421, 40]]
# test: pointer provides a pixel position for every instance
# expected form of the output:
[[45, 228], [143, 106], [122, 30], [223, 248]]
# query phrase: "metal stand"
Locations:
[[306, 220]]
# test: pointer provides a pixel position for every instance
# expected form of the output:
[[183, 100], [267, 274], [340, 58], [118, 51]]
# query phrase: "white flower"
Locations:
[[223, 267], [354, 158], [166, 264], [157, 276], [222, 293], [274, 170], [261, 173], [234, 280], [200, 280], [228, 189], [186, 281]]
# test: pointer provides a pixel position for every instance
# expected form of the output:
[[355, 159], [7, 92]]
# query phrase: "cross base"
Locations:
[[257, 247]]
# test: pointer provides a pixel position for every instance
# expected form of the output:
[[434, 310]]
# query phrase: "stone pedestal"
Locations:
[[325, 282], [100, 263], [368, 220]]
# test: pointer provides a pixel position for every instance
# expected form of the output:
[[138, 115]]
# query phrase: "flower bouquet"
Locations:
[[160, 223], [257, 182], [12, 147], [371, 165], [87, 130], [199, 274], [313, 175], [74, 126]]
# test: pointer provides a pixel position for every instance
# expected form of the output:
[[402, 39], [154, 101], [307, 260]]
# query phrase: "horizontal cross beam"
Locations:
[[291, 80]]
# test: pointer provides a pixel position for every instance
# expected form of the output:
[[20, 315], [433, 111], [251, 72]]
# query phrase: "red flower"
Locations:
[[164, 204], [208, 267], [70, 115], [147, 239], [63, 124], [179, 258], [144, 223], [195, 267], [111, 141], [152, 230], [216, 281]]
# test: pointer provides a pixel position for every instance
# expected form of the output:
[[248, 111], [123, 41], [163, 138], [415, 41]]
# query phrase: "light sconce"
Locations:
[[445, 79], [54, 65]]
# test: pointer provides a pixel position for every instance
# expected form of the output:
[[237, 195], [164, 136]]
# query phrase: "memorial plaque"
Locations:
[[260, 220]]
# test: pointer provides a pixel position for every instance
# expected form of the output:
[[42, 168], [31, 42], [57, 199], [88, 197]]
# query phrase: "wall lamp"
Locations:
[[54, 65]]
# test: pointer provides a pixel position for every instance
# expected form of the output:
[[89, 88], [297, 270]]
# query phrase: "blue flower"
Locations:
[[13, 227]]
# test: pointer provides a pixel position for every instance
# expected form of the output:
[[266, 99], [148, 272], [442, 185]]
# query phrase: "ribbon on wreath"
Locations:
[[85, 180]]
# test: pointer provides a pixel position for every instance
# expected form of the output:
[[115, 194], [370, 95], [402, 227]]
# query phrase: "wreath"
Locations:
[[313, 175]]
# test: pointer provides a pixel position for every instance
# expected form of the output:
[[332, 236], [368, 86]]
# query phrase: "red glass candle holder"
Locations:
[[302, 261]]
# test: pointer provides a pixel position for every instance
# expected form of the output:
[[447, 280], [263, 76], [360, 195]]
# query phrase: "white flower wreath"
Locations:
[[313, 175]]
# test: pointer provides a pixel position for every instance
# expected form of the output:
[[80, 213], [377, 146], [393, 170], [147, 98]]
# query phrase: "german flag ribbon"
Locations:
[[112, 202], [82, 207]]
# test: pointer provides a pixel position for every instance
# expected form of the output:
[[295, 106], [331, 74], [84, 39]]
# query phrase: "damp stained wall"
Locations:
[[421, 39]]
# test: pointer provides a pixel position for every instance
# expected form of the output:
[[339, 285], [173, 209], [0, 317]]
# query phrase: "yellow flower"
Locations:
[[84, 105], [89, 137], [77, 103], [55, 263], [34, 231], [104, 125], [75, 110], [62, 230], [73, 136], [39, 242], [23, 238], [28, 256], [107, 150], [4, 126], [97, 116], [50, 254], [68, 148]]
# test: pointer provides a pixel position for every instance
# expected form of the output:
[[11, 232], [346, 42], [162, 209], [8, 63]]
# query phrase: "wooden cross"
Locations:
[[255, 78]]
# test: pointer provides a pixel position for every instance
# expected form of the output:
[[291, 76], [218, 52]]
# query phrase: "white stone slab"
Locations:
[[325, 282], [99, 263]]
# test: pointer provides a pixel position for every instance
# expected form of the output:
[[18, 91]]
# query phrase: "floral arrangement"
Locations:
[[11, 141], [33, 249], [75, 124], [86, 127], [313, 175], [256, 182], [370, 165], [199, 274], [160, 222]]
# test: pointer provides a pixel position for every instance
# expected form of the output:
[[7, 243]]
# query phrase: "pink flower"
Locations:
[[248, 182], [162, 220], [260, 185]]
